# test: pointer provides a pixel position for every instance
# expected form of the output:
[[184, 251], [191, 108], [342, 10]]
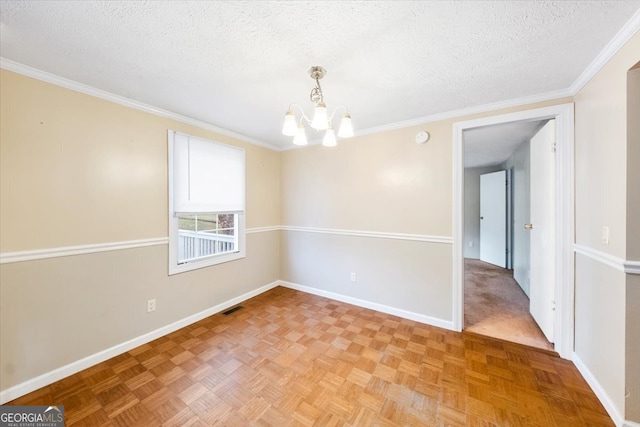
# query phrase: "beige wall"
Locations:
[[633, 243], [407, 275], [602, 185], [633, 162], [383, 182], [600, 324], [601, 153], [78, 170]]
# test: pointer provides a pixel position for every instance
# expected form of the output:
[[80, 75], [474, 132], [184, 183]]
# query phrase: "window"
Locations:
[[206, 203]]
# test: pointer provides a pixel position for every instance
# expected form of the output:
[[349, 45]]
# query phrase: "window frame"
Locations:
[[206, 261]]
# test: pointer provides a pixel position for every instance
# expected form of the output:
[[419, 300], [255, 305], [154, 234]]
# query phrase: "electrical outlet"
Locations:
[[354, 277], [471, 244], [151, 305]]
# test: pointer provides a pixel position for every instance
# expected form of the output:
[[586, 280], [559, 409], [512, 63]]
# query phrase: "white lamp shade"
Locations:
[[329, 138], [290, 128], [320, 120], [301, 136], [346, 128]]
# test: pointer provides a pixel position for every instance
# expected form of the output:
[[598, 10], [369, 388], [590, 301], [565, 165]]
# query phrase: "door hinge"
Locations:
[[553, 147], [553, 305]]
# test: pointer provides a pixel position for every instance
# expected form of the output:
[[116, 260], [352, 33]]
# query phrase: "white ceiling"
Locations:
[[492, 145], [239, 64]]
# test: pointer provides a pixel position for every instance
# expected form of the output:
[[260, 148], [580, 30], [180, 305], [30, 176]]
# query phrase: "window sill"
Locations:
[[205, 262]]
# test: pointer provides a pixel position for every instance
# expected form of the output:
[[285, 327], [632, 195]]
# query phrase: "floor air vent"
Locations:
[[232, 310]]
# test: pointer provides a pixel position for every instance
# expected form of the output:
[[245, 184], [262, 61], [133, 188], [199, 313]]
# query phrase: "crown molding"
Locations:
[[494, 106], [16, 67], [626, 32], [454, 114]]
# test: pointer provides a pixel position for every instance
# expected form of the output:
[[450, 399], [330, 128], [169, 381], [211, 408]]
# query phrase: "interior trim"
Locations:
[[263, 229], [20, 256], [564, 216], [44, 76], [372, 234], [456, 114], [620, 264], [405, 314], [625, 33], [631, 267], [597, 388], [621, 37], [36, 254], [91, 360]]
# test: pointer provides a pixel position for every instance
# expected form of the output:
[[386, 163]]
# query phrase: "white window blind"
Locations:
[[207, 176]]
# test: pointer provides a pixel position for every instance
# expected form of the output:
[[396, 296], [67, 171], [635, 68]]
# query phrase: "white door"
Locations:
[[542, 248], [493, 218]]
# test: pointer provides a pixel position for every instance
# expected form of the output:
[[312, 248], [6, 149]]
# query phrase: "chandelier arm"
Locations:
[[336, 109], [304, 116]]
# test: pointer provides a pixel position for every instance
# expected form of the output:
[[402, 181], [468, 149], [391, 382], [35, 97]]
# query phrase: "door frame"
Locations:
[[564, 216]]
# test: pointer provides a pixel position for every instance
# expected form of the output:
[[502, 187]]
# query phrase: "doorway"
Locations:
[[562, 216], [510, 166]]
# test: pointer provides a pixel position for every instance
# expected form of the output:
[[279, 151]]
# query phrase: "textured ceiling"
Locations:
[[239, 64], [492, 145]]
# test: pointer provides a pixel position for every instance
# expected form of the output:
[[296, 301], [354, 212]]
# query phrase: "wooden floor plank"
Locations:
[[290, 358]]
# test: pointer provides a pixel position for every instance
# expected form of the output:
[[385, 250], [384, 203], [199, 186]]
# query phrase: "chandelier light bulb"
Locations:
[[301, 136], [329, 138], [290, 128], [346, 127], [320, 119]]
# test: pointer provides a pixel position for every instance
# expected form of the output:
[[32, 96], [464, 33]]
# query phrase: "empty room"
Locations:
[[269, 213]]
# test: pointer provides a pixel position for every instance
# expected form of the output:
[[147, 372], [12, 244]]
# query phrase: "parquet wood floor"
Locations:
[[290, 358]]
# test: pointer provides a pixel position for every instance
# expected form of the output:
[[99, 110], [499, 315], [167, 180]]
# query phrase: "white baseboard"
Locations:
[[445, 324], [84, 363], [601, 393], [628, 423]]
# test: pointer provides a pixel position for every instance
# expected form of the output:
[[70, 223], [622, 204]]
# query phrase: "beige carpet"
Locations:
[[495, 306]]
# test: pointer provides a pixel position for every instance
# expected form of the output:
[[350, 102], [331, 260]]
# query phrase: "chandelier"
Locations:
[[321, 120]]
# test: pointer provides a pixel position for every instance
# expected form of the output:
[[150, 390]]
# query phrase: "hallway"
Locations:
[[495, 306]]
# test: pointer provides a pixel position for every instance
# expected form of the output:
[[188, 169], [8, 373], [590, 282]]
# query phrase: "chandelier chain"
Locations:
[[316, 93]]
